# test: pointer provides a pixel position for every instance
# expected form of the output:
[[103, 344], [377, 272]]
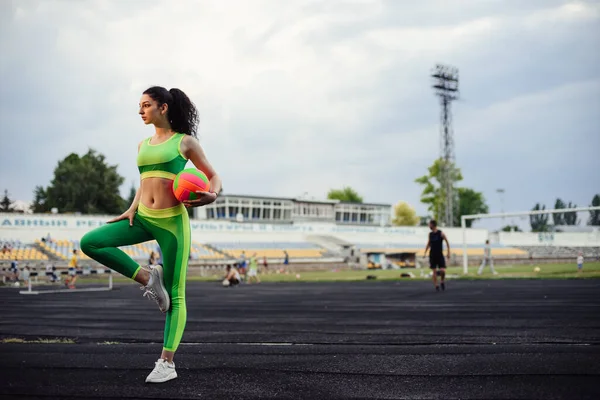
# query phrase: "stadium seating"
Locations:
[[271, 249], [63, 249], [201, 252], [472, 250], [591, 253], [20, 251]]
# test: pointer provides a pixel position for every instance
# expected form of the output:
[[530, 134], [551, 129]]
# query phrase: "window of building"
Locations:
[[245, 212], [267, 213], [277, 213], [256, 213]]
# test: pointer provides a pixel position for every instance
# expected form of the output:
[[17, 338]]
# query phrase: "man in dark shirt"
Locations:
[[436, 256]]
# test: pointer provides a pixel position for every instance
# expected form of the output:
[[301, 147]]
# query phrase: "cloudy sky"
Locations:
[[302, 96]]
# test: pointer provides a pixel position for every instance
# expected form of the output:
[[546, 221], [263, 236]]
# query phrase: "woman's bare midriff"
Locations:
[[157, 193]]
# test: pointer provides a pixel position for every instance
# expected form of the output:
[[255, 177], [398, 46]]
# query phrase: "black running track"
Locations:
[[375, 340]]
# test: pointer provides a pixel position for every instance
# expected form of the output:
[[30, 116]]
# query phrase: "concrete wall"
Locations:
[[28, 228]]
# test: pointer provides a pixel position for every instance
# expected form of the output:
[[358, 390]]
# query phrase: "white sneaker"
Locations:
[[163, 371], [156, 290]]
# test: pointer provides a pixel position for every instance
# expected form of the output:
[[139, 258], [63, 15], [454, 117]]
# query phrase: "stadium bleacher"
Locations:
[[297, 248], [561, 251], [201, 252], [271, 249], [63, 249], [15, 249]]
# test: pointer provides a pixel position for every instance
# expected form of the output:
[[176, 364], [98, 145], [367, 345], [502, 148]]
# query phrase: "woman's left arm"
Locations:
[[191, 149]]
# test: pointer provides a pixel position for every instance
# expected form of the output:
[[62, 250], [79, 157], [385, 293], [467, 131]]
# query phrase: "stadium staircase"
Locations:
[[217, 250], [334, 246], [51, 256]]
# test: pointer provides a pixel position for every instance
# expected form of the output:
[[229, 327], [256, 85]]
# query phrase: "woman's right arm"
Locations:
[[136, 200], [130, 213]]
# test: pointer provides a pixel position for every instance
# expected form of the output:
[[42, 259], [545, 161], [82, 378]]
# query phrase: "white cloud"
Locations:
[[294, 96]]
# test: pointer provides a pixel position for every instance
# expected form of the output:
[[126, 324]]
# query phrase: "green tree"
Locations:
[[570, 218], [132, 193], [433, 194], [404, 215], [40, 204], [511, 228], [558, 218], [469, 202], [594, 219], [539, 222], [84, 184], [6, 203], [346, 194]]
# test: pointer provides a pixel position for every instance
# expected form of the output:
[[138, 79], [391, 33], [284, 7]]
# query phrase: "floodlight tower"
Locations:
[[446, 87]]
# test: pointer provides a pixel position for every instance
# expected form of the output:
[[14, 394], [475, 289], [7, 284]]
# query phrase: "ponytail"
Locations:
[[182, 113]]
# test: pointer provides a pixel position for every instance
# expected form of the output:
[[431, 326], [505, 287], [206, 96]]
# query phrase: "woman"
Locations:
[[152, 258], [253, 270], [156, 214]]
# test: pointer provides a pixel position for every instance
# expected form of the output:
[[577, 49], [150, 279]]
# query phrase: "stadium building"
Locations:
[[308, 233], [241, 208]]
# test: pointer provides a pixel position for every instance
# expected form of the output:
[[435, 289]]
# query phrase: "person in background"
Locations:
[[73, 265], [153, 259], [232, 275], [487, 256], [50, 273], [580, 262], [13, 271], [286, 258], [242, 264], [436, 256], [253, 269], [25, 274], [265, 264]]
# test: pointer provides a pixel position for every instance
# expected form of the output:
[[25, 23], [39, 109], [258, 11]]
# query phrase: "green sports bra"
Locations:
[[163, 160]]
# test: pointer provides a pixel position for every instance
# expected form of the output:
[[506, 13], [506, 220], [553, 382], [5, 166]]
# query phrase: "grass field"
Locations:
[[547, 271]]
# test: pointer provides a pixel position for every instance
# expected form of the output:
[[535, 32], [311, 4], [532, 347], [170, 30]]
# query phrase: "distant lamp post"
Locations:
[[501, 194]]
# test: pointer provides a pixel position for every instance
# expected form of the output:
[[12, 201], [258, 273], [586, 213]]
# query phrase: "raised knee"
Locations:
[[86, 244]]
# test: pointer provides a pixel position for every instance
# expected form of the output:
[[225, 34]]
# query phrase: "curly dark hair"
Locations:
[[182, 113]]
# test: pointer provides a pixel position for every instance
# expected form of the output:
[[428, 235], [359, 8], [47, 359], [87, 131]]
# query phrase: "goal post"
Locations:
[[464, 218]]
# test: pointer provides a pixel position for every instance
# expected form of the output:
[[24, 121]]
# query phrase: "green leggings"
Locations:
[[170, 227]]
